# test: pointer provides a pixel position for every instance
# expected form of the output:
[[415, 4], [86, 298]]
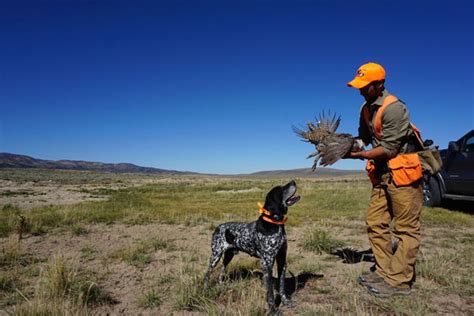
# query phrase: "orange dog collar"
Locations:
[[267, 213]]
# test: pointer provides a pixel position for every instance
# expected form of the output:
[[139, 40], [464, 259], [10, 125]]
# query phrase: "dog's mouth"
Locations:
[[292, 200], [289, 194]]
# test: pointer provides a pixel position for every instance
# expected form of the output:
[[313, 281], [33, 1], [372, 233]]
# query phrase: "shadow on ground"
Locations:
[[298, 282], [292, 284], [351, 255], [458, 205]]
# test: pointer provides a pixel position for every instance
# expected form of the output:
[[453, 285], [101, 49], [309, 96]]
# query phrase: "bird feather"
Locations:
[[330, 146]]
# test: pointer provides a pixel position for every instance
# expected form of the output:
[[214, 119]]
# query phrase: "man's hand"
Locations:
[[354, 155], [347, 155]]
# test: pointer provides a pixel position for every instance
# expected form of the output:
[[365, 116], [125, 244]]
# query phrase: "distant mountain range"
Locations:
[[8, 160], [20, 161]]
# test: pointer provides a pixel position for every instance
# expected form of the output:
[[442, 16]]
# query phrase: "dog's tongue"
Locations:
[[292, 200]]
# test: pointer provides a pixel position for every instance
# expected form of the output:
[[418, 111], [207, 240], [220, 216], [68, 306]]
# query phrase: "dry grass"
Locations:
[[145, 250], [61, 290]]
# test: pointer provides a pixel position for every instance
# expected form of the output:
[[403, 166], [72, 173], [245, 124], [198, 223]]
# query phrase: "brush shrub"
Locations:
[[318, 241]]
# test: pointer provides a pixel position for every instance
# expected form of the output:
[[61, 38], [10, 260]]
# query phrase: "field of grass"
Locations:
[[145, 248]]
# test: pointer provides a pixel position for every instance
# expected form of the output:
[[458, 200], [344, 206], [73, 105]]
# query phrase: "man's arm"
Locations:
[[395, 124], [377, 153]]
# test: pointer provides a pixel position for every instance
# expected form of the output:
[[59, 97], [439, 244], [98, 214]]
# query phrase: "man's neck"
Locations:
[[379, 99]]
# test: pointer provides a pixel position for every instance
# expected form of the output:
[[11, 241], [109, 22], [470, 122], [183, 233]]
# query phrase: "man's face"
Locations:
[[371, 91]]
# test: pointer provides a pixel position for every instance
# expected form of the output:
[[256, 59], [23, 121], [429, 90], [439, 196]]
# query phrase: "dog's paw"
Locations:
[[221, 279], [287, 302], [275, 311]]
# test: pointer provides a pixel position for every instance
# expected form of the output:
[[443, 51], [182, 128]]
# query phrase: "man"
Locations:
[[390, 200]]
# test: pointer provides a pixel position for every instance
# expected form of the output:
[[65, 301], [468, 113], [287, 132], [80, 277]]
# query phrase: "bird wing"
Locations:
[[335, 149], [327, 123], [316, 133], [330, 146]]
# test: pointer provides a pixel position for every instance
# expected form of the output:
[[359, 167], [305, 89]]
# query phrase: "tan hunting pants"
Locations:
[[403, 206]]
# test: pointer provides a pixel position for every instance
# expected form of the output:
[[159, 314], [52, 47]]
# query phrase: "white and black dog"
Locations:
[[265, 239]]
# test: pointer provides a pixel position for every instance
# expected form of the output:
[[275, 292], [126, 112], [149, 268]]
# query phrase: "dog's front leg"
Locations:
[[281, 266], [267, 267]]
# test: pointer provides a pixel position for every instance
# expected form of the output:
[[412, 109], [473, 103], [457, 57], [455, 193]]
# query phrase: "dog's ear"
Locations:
[[274, 200]]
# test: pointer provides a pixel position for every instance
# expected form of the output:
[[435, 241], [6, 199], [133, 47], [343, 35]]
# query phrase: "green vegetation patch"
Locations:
[[237, 297], [440, 216], [9, 193], [318, 241], [450, 270], [140, 255], [194, 202], [12, 256], [137, 256], [151, 298]]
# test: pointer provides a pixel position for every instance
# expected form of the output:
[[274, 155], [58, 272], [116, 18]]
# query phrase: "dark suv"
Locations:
[[456, 178]]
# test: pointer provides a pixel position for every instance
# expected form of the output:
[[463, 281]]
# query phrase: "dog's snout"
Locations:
[[291, 185]]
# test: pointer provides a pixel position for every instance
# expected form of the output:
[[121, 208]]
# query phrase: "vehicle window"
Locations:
[[469, 144]]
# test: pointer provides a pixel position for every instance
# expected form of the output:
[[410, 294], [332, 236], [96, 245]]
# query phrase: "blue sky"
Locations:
[[215, 86]]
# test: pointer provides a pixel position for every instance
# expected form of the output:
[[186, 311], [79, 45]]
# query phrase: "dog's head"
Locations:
[[280, 198]]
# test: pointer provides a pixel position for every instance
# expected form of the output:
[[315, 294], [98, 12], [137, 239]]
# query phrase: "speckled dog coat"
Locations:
[[265, 239]]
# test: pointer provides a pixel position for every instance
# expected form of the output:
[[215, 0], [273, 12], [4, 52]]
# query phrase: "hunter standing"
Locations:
[[395, 172]]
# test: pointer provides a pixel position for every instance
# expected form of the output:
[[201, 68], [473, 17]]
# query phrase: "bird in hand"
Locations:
[[330, 146]]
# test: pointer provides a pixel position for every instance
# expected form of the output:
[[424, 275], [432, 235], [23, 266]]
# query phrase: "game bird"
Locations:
[[330, 146]]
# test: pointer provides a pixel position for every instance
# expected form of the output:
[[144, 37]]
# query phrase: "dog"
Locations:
[[264, 238]]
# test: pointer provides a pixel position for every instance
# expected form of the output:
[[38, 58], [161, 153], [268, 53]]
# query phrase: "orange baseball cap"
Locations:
[[366, 74]]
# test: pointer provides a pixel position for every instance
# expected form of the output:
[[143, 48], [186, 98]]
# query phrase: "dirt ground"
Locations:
[[95, 250], [32, 194], [188, 249]]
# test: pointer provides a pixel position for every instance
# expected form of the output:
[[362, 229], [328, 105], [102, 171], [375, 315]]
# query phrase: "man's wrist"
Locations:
[[358, 155]]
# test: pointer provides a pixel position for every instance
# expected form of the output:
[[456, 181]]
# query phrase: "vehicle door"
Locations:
[[460, 167]]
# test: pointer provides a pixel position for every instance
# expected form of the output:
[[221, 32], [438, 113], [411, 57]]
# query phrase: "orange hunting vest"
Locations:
[[405, 168]]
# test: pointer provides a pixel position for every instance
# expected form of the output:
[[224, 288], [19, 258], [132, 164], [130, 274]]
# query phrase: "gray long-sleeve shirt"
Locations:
[[395, 126]]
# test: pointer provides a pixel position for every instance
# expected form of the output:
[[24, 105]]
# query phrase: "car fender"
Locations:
[[442, 185]]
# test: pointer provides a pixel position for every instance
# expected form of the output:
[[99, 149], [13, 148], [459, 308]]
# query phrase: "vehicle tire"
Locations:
[[431, 192]]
